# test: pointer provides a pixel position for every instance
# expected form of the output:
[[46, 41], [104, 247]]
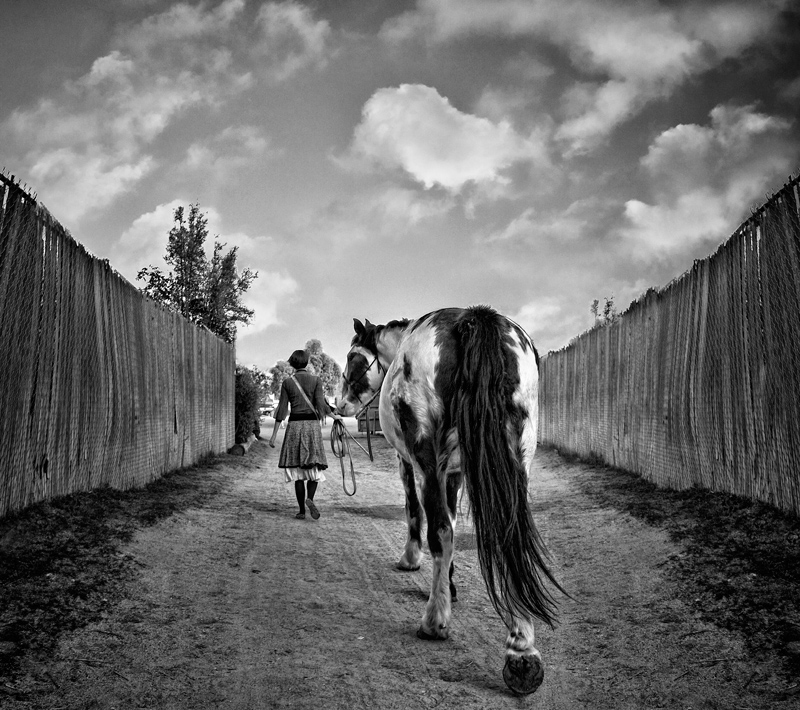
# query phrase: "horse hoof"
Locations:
[[427, 636], [405, 567], [523, 674]]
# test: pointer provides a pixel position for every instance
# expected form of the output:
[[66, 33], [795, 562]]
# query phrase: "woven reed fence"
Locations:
[[696, 384], [99, 385]]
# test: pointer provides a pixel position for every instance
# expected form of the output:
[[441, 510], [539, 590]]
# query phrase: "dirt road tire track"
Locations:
[[239, 605]]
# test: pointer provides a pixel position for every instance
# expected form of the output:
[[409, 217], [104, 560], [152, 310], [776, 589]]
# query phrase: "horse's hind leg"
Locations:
[[413, 551], [436, 619], [524, 670], [454, 481]]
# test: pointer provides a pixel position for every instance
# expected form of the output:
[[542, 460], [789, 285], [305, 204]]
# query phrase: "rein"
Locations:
[[340, 446]]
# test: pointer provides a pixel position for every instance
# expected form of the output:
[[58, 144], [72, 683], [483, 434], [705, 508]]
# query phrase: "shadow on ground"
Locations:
[[60, 561], [741, 565], [62, 569]]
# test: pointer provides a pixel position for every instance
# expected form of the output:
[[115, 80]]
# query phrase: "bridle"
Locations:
[[340, 446], [350, 383]]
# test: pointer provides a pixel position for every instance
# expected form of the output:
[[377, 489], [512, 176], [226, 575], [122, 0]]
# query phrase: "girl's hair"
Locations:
[[298, 359]]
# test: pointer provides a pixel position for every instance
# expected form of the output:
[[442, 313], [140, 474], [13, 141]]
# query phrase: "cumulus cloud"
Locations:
[[414, 129], [144, 243], [92, 141], [704, 178], [266, 294], [546, 319], [628, 54]]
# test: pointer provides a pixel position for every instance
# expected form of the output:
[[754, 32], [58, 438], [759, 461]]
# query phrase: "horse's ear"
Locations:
[[359, 327], [367, 324]]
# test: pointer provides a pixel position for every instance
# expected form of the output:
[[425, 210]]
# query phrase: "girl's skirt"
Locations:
[[303, 453]]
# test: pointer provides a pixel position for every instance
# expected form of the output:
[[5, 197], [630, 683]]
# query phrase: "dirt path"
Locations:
[[239, 605]]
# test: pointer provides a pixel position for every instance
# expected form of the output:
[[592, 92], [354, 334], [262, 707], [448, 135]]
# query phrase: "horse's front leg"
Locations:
[[413, 551], [435, 621], [524, 670]]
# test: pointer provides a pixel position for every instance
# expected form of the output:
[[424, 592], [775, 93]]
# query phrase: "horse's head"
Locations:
[[363, 374]]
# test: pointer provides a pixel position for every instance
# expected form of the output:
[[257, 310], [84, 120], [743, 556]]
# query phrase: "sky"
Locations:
[[384, 158]]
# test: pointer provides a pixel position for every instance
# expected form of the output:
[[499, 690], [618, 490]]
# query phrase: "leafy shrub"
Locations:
[[247, 398]]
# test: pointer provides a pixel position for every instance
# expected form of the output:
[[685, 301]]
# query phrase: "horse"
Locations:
[[459, 404]]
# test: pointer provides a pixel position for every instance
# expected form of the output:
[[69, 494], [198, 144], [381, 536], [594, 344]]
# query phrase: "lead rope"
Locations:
[[339, 436], [340, 445]]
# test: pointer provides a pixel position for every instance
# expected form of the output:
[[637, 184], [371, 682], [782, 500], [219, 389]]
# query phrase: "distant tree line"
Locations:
[[319, 363], [254, 386]]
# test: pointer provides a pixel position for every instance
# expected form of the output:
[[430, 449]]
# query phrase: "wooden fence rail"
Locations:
[[696, 384], [99, 385]]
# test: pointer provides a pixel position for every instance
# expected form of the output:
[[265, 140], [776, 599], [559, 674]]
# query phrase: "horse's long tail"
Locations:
[[511, 552]]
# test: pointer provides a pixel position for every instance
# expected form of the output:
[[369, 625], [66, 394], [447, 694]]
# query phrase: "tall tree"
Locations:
[[315, 353], [319, 363], [223, 294], [208, 293], [324, 366], [186, 256], [279, 372]]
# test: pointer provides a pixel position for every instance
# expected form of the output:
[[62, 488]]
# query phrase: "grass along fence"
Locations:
[[99, 385], [696, 384]]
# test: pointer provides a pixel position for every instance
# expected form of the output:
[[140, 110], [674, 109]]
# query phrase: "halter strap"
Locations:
[[375, 361], [305, 396], [363, 374]]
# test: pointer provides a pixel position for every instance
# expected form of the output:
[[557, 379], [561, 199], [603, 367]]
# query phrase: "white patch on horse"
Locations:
[[418, 393], [527, 395]]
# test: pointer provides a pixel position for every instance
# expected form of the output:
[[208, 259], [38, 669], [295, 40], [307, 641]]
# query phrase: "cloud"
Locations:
[[401, 208], [593, 111], [180, 31], [292, 38], [578, 221], [521, 227], [704, 179], [546, 319], [384, 212], [790, 91], [144, 243], [93, 140], [412, 128], [266, 294], [220, 156], [626, 54], [519, 104]]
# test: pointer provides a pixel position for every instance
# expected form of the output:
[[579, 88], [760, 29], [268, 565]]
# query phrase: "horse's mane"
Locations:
[[369, 339], [392, 324]]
